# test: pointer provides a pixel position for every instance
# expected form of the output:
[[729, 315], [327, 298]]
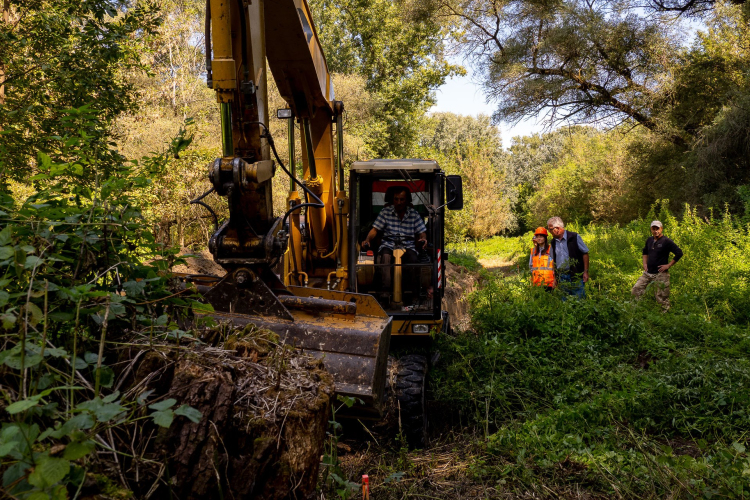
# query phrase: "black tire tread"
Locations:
[[407, 384]]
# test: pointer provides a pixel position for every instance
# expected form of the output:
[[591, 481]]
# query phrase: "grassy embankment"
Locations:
[[606, 397]]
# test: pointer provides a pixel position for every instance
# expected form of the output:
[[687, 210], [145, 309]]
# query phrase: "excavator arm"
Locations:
[[242, 35], [350, 331]]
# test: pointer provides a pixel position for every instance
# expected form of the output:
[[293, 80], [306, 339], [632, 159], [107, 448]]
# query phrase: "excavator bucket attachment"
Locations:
[[350, 332]]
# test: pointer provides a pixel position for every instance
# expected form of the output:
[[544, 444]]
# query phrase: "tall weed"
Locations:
[[77, 269], [610, 393]]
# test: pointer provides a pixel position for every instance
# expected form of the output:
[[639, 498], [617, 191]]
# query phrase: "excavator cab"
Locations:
[[410, 284]]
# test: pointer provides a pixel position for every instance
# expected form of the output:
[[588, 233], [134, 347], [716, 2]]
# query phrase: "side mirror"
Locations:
[[454, 192]]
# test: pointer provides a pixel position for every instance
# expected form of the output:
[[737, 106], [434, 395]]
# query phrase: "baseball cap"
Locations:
[[540, 230], [656, 223]]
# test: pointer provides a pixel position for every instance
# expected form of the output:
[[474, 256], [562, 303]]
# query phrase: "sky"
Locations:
[[463, 96]]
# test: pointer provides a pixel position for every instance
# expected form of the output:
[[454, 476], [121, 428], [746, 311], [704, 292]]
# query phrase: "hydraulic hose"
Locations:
[[318, 203], [243, 29], [310, 152], [198, 201], [207, 36]]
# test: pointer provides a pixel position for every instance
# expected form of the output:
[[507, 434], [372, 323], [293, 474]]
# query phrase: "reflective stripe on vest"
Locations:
[[542, 269]]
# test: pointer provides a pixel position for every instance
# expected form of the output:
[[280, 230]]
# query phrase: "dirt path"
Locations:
[[202, 263], [460, 282], [500, 265]]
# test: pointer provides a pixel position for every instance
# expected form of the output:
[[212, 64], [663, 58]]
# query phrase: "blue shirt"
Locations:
[[561, 252], [399, 229]]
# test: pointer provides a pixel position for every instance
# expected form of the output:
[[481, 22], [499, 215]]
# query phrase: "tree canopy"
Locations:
[[578, 61], [397, 46], [60, 55]]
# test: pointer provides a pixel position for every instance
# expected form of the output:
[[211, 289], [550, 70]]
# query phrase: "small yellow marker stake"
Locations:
[[365, 487]]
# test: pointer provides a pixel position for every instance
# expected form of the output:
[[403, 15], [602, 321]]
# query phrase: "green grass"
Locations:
[[509, 249], [609, 394]]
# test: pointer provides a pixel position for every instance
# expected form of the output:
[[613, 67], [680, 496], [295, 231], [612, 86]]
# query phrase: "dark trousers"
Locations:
[[409, 276]]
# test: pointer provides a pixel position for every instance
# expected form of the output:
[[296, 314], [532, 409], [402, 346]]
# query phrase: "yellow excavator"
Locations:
[[304, 273]]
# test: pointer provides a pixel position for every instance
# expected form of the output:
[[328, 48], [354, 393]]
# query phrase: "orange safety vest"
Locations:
[[542, 268]]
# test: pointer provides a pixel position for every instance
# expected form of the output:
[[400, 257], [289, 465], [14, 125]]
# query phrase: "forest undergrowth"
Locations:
[[605, 397]]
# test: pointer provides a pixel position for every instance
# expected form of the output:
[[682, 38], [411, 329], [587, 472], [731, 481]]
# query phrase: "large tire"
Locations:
[[407, 377]]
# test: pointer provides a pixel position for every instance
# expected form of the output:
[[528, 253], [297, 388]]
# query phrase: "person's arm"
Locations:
[[645, 263], [421, 230], [373, 233], [585, 251], [677, 251], [379, 225]]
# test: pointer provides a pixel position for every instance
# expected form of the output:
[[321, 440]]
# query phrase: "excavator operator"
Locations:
[[399, 223]]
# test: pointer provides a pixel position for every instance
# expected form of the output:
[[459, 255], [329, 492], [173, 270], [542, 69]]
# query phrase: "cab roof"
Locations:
[[405, 164]]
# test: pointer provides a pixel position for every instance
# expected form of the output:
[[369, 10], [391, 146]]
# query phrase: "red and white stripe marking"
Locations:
[[418, 189], [440, 267]]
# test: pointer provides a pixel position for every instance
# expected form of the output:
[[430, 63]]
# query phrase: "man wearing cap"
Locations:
[[399, 223], [656, 265], [571, 256]]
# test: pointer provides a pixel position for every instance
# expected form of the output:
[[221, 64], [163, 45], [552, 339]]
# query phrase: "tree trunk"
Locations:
[[6, 20]]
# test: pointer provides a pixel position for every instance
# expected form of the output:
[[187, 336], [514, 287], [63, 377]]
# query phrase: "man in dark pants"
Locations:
[[656, 265], [399, 223], [571, 257]]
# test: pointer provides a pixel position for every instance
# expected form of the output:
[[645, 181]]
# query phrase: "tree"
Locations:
[[174, 88], [688, 7], [397, 46], [470, 147], [64, 54], [580, 61], [446, 131], [713, 89]]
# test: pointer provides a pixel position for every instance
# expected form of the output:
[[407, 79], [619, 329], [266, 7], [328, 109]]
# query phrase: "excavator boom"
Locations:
[[350, 331]]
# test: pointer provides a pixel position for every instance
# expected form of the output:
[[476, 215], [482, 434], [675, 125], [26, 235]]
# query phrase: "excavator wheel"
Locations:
[[406, 384]]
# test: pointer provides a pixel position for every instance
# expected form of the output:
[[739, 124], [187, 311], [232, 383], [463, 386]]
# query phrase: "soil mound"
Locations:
[[202, 263], [460, 282]]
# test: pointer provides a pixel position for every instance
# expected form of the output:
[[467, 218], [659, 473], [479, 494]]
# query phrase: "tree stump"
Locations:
[[265, 412]]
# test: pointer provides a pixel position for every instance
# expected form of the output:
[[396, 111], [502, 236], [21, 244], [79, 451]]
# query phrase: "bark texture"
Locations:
[[265, 413]]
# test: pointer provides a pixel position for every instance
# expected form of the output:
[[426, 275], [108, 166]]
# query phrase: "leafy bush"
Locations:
[[77, 269]]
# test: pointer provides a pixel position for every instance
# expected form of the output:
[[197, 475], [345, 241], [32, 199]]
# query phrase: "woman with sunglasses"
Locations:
[[540, 262]]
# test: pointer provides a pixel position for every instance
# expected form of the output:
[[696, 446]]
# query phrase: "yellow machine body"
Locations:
[[350, 332]]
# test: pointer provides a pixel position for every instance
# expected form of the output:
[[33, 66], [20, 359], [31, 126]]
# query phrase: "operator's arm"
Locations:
[[645, 263], [379, 225], [373, 233], [421, 230]]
